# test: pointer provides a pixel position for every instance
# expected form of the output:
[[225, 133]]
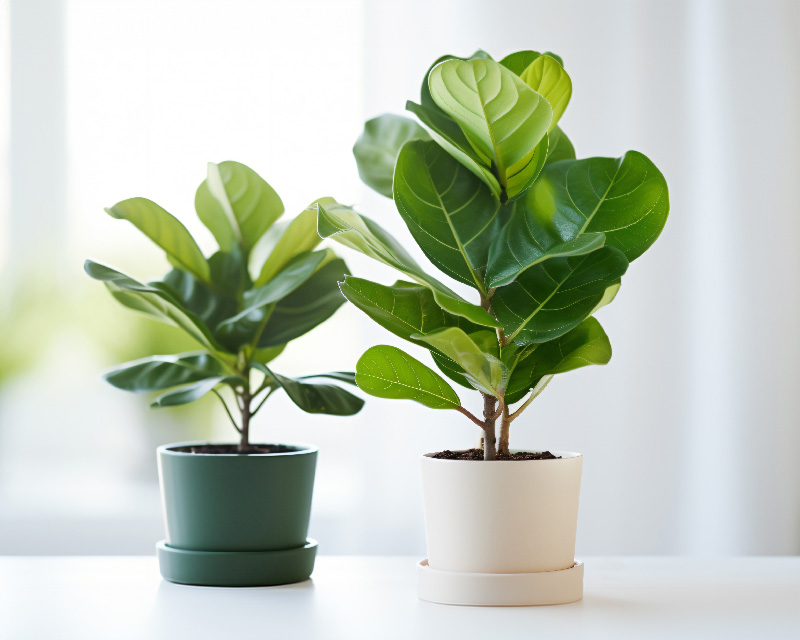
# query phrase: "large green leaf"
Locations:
[[549, 299], [162, 372], [377, 148], [244, 327], [451, 138], [188, 393], [316, 300], [406, 309], [547, 77], [236, 204], [388, 372], [166, 231], [522, 243], [624, 198], [450, 212], [503, 119], [358, 232], [318, 397], [282, 242], [587, 344], [154, 301], [483, 370]]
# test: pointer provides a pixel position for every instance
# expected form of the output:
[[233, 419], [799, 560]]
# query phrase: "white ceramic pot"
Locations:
[[502, 517]]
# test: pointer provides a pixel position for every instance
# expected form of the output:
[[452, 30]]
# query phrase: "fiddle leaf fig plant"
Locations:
[[494, 196], [267, 285]]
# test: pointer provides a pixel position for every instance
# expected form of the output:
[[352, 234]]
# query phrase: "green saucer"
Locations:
[[236, 568]]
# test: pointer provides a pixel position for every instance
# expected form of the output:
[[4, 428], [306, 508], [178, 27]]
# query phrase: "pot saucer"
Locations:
[[236, 568], [500, 589]]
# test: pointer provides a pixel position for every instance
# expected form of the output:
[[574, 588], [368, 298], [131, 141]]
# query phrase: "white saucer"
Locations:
[[500, 589]]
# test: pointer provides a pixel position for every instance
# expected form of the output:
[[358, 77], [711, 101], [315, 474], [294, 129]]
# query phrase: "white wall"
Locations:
[[689, 434]]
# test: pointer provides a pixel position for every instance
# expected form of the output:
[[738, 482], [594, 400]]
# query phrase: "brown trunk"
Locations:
[[489, 438], [244, 443], [505, 427]]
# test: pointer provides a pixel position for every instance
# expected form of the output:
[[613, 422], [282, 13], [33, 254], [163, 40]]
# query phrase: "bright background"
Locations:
[[690, 435]]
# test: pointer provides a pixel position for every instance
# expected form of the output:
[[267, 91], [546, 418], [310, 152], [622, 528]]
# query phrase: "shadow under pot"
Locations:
[[501, 532], [236, 520]]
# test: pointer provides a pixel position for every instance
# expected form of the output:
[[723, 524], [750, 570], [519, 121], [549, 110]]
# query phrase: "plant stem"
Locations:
[[228, 411], [489, 419], [244, 444], [505, 427]]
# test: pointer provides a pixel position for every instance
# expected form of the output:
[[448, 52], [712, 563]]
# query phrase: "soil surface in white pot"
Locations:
[[477, 454]]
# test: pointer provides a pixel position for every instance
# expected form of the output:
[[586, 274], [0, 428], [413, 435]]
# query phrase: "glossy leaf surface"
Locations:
[[547, 77], [188, 393], [388, 372], [318, 397], [162, 372]]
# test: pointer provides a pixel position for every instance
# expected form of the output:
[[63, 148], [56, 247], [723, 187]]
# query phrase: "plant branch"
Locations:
[[263, 400], [489, 412], [472, 417], [505, 426], [228, 411]]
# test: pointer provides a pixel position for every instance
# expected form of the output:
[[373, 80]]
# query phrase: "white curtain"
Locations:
[[690, 434]]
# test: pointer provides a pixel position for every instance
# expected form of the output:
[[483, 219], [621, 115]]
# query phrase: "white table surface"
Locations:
[[60, 598]]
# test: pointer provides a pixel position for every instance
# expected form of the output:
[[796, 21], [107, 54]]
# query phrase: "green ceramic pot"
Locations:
[[236, 520]]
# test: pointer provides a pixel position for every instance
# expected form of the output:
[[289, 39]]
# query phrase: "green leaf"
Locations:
[[483, 370], [519, 61], [236, 204], [162, 372], [377, 148], [522, 243], [388, 372], [425, 98], [268, 354], [549, 299], [503, 119], [211, 306], [187, 394], [560, 147], [154, 301], [450, 213], [348, 377], [587, 344], [311, 304], [166, 231], [282, 242], [243, 328], [446, 132], [405, 309], [318, 397], [624, 198], [547, 77], [358, 232]]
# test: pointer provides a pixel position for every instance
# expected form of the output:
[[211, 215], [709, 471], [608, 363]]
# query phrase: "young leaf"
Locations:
[[547, 77], [624, 198], [187, 394], [503, 119], [552, 297], [358, 232], [388, 372], [318, 397], [166, 231], [377, 148], [483, 370], [162, 372], [450, 213], [519, 61], [236, 204], [284, 241], [154, 301]]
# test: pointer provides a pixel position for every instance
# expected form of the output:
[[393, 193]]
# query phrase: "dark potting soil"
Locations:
[[477, 454], [232, 448]]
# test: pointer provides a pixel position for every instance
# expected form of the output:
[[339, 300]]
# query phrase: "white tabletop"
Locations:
[[49, 598]]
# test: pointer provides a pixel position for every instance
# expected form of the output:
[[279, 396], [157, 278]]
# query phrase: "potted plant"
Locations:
[[495, 198], [236, 514]]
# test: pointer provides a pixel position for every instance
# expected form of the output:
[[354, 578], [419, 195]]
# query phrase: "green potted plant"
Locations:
[[494, 196], [236, 514]]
